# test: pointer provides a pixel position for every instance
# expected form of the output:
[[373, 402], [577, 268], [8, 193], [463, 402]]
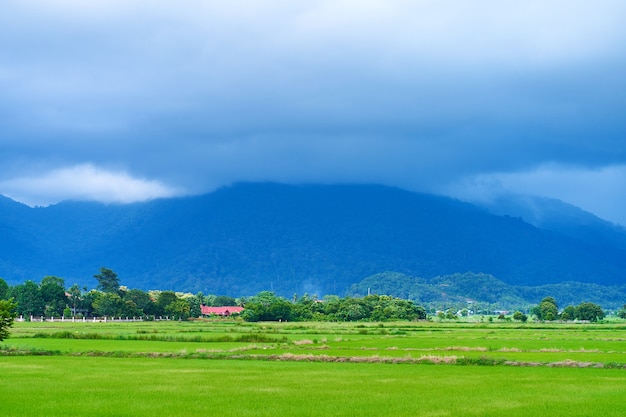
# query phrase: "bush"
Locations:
[[519, 316]]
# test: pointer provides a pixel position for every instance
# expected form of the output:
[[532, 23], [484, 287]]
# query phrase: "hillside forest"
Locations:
[[319, 239]]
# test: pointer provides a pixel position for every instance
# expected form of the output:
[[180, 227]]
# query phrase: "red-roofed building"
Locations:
[[220, 311]]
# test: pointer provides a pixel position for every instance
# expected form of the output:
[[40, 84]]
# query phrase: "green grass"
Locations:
[[65, 385], [536, 343], [258, 369]]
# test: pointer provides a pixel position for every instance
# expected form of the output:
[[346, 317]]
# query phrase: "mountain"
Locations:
[[319, 239], [558, 216], [485, 291]]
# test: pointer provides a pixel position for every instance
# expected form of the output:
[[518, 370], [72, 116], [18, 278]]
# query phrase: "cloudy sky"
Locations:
[[126, 100]]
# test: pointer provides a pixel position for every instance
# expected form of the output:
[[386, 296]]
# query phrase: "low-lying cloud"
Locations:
[[600, 191], [84, 182]]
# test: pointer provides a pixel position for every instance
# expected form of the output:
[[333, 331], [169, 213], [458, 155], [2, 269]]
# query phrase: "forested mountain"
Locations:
[[309, 238], [485, 291]]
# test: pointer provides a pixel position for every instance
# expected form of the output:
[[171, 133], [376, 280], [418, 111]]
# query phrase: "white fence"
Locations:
[[104, 319]]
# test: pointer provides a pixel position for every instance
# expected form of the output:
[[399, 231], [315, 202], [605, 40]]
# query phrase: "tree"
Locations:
[[4, 289], [547, 309], [589, 311], [195, 303], [622, 312], [142, 301], [75, 298], [165, 299], [108, 304], [53, 295], [7, 315], [352, 309], [385, 307], [28, 299], [178, 309], [303, 308], [266, 306], [88, 300], [107, 280], [569, 313], [129, 309], [519, 316], [451, 314], [224, 300]]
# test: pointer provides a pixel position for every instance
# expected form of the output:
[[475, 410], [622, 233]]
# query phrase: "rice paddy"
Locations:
[[223, 367]]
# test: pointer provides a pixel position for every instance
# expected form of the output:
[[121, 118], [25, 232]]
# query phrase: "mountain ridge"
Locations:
[[319, 239], [558, 216]]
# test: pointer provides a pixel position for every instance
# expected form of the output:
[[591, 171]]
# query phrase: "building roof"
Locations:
[[220, 311]]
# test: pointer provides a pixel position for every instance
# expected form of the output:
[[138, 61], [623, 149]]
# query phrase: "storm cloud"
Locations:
[[468, 99]]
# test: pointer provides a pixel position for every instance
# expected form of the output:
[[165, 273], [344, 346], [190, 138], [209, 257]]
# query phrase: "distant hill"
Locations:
[[291, 239], [485, 291]]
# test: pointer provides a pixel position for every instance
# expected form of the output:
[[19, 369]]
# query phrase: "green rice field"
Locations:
[[233, 368]]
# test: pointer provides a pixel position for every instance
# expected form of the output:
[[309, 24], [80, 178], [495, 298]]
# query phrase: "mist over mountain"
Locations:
[[558, 216], [290, 239]]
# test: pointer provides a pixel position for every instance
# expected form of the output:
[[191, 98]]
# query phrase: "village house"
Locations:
[[220, 311]]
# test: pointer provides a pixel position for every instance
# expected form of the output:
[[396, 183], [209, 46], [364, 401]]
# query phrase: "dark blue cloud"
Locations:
[[430, 96]]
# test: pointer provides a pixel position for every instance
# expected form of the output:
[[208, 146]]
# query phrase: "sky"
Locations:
[[129, 100]]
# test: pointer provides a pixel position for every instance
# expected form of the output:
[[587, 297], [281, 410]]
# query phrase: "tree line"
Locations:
[[548, 310], [50, 298], [267, 306]]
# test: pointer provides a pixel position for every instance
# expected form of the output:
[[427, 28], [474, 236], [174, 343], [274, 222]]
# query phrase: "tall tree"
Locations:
[[7, 315], [87, 301], [107, 280], [28, 299], [4, 289], [194, 305], [75, 297], [53, 295], [165, 299]]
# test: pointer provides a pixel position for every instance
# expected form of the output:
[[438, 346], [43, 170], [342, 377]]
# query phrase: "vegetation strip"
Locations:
[[427, 359], [245, 338], [51, 300]]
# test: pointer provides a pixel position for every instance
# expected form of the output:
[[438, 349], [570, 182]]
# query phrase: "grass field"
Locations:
[[336, 369]]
